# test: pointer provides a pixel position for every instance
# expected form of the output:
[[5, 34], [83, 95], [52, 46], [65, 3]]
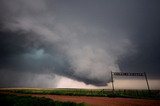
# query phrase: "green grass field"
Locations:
[[13, 100], [153, 94]]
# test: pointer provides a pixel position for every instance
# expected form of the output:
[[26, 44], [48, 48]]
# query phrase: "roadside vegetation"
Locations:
[[153, 94], [13, 100]]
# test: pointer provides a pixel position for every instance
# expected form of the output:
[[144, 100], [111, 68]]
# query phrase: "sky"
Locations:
[[77, 43]]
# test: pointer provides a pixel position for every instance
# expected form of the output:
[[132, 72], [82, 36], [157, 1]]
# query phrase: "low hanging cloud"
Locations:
[[44, 38], [75, 51]]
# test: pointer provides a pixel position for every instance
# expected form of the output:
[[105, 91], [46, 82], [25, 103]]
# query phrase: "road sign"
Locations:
[[128, 74]]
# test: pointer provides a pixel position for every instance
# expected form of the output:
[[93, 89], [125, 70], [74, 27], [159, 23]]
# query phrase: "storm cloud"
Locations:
[[83, 40]]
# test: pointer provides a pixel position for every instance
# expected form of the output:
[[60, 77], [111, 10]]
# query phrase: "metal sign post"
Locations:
[[112, 81], [147, 81]]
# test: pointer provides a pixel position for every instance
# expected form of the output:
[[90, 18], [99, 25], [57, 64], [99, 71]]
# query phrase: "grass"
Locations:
[[13, 100], [153, 94]]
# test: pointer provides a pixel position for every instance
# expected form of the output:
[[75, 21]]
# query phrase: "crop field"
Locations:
[[77, 97], [153, 94]]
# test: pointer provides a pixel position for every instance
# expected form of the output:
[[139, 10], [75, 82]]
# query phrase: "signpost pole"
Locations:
[[147, 81], [112, 81]]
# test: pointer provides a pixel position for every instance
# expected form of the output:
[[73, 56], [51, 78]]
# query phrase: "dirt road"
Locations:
[[99, 101]]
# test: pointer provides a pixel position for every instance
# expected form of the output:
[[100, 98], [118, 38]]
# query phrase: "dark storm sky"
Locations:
[[80, 39]]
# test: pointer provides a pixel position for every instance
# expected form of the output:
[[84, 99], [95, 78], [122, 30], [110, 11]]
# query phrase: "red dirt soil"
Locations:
[[98, 101]]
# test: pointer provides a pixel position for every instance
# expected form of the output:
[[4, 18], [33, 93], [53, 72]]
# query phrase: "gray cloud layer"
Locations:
[[82, 40]]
